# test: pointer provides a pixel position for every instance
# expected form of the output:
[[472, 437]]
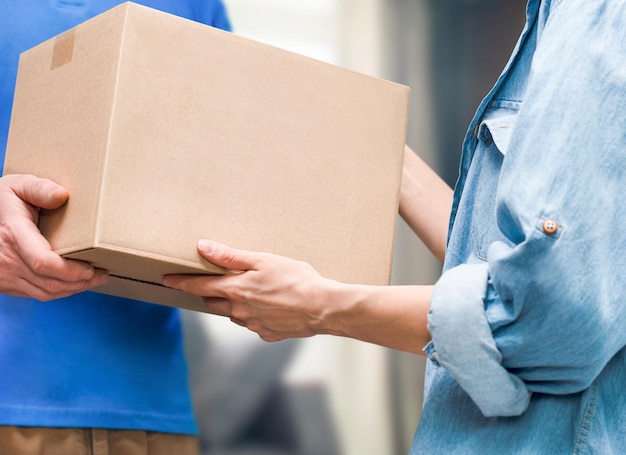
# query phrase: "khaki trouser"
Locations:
[[73, 441]]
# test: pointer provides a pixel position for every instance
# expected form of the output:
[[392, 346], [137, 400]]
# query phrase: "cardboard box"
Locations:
[[166, 131]]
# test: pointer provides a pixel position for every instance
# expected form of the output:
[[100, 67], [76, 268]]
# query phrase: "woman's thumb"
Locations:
[[224, 256]]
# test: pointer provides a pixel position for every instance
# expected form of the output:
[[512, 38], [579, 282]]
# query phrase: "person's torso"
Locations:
[[553, 424], [89, 360]]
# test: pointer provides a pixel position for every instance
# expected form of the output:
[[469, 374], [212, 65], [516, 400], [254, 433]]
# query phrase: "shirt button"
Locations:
[[550, 227]]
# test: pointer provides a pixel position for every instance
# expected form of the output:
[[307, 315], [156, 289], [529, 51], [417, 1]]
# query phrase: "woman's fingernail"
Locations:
[[206, 246]]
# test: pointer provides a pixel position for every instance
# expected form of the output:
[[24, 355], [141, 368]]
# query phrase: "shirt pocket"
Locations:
[[494, 136]]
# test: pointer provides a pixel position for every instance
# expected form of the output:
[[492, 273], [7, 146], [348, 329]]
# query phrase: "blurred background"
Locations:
[[333, 396]]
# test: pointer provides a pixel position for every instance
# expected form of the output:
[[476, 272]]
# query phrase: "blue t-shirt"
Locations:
[[89, 360]]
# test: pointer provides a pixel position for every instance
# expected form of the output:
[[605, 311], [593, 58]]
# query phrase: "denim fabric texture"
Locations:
[[528, 319]]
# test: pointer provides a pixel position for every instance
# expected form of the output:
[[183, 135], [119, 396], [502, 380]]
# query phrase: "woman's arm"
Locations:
[[425, 203], [280, 298]]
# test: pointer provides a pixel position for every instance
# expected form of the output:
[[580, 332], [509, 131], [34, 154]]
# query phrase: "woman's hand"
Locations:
[[280, 298], [274, 296]]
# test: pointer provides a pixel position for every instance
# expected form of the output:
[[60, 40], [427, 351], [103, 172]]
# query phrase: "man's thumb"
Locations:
[[40, 192]]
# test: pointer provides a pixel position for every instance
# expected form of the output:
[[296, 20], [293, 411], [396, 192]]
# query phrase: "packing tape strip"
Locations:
[[63, 49]]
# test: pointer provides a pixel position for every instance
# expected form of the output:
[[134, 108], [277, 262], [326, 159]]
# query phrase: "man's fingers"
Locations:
[[40, 192], [34, 250], [49, 289]]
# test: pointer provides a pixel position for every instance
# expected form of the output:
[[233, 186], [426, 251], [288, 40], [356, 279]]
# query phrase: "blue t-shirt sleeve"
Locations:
[[214, 13]]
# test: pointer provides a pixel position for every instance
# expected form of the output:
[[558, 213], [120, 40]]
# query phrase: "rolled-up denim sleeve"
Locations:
[[459, 325], [546, 311]]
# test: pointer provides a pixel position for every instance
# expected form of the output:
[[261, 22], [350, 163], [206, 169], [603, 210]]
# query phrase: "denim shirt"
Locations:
[[528, 320]]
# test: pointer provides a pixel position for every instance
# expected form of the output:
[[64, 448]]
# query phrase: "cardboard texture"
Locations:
[[166, 131]]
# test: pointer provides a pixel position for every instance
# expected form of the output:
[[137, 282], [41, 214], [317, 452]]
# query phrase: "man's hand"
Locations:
[[28, 266]]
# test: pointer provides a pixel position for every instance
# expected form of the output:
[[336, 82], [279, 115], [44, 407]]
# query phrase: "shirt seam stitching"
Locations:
[[585, 425]]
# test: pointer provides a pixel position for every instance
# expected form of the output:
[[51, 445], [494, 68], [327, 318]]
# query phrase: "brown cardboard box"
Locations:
[[166, 131]]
